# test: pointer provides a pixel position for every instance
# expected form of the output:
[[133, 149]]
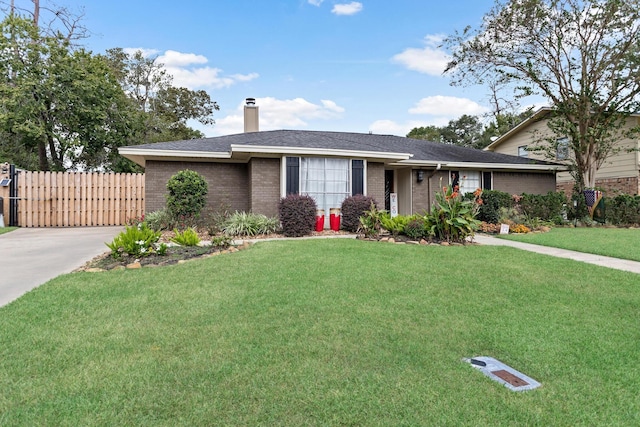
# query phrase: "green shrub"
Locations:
[[623, 210], [492, 202], [187, 195], [188, 237], [353, 208], [370, 221], [452, 217], [396, 224], [249, 224], [137, 241], [222, 241], [297, 215], [415, 228], [547, 207]]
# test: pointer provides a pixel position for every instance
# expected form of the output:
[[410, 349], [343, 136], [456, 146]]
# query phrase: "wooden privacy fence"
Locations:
[[68, 199]]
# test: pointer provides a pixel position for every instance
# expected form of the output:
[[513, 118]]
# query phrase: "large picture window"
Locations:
[[326, 180]]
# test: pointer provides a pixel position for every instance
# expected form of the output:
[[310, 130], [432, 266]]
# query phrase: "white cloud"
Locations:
[[145, 52], [447, 106], [279, 114], [347, 8], [437, 111], [188, 71], [171, 58], [316, 2], [428, 60], [390, 127]]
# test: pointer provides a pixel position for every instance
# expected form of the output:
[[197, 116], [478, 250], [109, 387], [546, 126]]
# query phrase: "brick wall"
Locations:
[[522, 182], [228, 183], [375, 182], [264, 186], [424, 192], [612, 187]]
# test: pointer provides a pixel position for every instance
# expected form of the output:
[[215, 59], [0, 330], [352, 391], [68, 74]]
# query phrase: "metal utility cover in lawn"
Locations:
[[505, 375]]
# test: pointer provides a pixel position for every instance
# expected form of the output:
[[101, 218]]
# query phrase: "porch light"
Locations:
[[420, 176]]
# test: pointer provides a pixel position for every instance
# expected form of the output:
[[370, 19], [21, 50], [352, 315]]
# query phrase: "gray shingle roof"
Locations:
[[422, 150]]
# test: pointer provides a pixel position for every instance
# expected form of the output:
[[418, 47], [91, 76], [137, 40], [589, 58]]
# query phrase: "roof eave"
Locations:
[[141, 156], [482, 165], [324, 152]]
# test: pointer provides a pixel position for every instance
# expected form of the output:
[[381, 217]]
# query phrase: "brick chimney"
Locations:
[[251, 116]]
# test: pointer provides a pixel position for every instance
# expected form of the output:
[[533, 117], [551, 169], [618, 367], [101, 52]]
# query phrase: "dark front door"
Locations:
[[388, 189]]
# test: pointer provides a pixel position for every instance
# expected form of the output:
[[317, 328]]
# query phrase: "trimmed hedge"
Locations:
[[187, 194], [297, 215], [353, 208], [547, 207], [623, 210], [492, 201]]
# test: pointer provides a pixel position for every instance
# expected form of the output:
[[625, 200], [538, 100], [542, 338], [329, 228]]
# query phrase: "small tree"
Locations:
[[187, 194], [582, 55]]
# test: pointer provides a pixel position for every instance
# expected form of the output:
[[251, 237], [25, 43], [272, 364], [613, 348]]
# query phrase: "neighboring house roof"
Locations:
[[393, 150], [538, 115]]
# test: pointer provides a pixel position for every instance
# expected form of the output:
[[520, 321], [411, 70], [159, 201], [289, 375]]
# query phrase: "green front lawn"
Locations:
[[7, 229], [326, 332], [614, 242]]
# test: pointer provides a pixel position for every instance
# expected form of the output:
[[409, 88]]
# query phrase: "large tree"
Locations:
[[59, 104], [582, 55], [167, 108]]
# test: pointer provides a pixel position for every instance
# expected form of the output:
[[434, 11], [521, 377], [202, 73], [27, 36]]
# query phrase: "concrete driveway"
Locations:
[[31, 256]]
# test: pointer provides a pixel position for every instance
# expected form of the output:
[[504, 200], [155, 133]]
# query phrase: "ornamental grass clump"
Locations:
[[249, 224], [137, 241], [453, 217]]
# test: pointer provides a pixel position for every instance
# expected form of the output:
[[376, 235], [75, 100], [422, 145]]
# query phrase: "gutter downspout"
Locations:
[[429, 184]]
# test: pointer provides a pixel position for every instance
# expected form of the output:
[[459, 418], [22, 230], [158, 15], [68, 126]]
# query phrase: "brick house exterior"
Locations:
[[245, 172], [251, 171]]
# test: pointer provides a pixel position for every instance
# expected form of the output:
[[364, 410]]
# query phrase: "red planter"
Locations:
[[334, 218], [319, 220]]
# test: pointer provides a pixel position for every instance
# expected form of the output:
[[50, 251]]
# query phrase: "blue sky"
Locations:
[[370, 65]]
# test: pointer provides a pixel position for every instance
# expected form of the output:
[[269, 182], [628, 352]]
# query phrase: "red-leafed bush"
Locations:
[[297, 215], [353, 208]]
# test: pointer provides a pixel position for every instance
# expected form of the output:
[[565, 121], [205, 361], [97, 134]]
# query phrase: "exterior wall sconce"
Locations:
[[420, 176]]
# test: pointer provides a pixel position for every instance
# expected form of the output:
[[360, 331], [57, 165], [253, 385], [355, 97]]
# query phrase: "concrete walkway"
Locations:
[[603, 261], [31, 256]]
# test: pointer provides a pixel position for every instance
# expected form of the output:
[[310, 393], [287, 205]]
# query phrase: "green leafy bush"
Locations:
[[396, 224], [138, 241], [547, 207], [249, 224], [623, 209], [188, 237], [371, 221], [222, 241], [353, 208], [297, 215], [492, 202], [452, 217], [187, 195], [415, 228]]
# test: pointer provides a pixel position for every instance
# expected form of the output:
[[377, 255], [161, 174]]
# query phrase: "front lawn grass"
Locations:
[[4, 230], [621, 243], [326, 332]]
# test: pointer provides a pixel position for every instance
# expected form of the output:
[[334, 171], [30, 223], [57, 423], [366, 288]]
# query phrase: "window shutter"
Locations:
[[357, 177], [486, 180], [293, 175]]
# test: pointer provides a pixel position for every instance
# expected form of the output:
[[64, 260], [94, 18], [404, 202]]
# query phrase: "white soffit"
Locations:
[[325, 152]]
